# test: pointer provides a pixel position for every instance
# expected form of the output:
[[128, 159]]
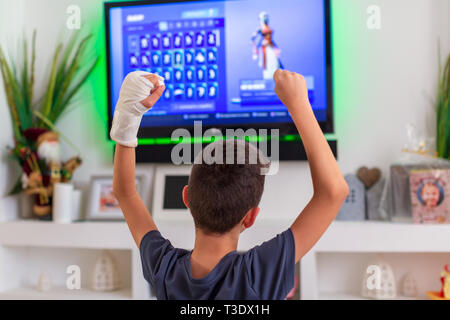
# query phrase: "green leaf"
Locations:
[[443, 111], [59, 105], [63, 65], [32, 71], [76, 87], [10, 97], [47, 108]]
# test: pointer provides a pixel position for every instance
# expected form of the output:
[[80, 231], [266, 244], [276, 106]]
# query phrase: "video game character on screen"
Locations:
[[264, 48]]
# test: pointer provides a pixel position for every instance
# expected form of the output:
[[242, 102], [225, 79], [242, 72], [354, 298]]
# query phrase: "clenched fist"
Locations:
[[139, 92], [291, 88], [156, 92]]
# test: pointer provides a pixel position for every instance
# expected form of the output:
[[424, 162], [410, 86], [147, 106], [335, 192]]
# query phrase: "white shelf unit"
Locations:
[[61, 293], [89, 235], [28, 248], [334, 268]]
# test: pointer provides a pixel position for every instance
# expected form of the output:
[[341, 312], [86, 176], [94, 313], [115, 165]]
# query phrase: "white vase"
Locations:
[[62, 202]]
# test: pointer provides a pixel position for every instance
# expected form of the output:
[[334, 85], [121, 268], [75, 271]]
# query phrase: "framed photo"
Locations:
[[430, 195], [167, 202], [102, 204]]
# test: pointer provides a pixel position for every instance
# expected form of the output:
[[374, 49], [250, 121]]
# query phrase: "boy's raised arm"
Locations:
[[133, 102], [330, 188], [134, 210]]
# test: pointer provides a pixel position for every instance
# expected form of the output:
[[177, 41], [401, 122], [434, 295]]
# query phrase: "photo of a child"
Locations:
[[430, 193], [428, 196]]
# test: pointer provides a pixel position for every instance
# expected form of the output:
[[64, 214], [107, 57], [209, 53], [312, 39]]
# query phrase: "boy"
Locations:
[[223, 200]]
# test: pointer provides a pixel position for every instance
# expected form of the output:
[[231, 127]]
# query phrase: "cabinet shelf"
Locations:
[[92, 235], [61, 293], [352, 296], [370, 236]]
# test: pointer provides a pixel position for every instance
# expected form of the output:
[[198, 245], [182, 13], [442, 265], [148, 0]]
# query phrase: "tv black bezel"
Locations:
[[284, 127]]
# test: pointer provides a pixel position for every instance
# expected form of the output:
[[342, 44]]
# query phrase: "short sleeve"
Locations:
[[153, 249], [271, 267]]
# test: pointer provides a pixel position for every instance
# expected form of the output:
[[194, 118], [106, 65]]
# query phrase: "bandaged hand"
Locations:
[[139, 93]]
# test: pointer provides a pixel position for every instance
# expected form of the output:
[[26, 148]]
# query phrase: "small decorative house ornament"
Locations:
[[354, 207], [379, 281], [44, 283], [409, 286], [105, 276]]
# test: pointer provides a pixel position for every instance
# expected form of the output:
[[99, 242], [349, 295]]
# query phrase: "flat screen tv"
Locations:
[[218, 59]]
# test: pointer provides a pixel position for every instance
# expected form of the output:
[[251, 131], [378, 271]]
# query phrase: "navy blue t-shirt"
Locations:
[[265, 272]]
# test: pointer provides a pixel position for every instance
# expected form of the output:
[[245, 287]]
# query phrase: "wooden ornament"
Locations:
[[368, 176]]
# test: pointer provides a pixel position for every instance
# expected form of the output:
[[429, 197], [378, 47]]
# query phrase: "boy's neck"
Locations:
[[209, 249]]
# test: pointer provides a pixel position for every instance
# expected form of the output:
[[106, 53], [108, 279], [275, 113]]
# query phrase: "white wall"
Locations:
[[11, 21], [384, 80]]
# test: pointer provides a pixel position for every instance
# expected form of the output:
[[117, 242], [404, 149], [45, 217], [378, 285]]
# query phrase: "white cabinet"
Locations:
[[28, 248], [334, 268]]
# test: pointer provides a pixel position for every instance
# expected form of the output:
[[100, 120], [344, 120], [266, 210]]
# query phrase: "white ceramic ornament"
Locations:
[[409, 286], [379, 281], [44, 282], [105, 276]]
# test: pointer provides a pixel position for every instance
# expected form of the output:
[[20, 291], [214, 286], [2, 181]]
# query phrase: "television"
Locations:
[[218, 58]]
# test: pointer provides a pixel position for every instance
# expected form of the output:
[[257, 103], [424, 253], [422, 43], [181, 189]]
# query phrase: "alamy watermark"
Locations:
[[373, 17], [373, 281], [259, 141], [73, 21], [73, 281]]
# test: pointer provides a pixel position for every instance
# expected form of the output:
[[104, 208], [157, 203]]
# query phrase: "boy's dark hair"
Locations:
[[221, 193]]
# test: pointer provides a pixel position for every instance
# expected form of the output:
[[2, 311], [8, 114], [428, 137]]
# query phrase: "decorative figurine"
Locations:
[[43, 168], [444, 294], [371, 178], [379, 281], [44, 282], [409, 286], [445, 281], [105, 275]]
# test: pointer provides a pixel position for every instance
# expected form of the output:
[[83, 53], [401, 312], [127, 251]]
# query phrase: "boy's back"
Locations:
[[223, 199], [265, 272]]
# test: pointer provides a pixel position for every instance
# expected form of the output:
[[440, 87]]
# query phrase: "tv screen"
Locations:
[[218, 59]]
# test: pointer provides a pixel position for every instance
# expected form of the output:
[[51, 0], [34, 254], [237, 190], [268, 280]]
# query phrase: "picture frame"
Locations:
[[102, 204], [168, 178], [430, 201]]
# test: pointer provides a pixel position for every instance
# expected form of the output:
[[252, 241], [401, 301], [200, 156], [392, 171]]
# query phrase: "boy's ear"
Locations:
[[250, 218], [185, 197]]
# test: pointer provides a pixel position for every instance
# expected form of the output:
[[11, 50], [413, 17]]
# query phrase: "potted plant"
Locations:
[[36, 140], [443, 111]]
